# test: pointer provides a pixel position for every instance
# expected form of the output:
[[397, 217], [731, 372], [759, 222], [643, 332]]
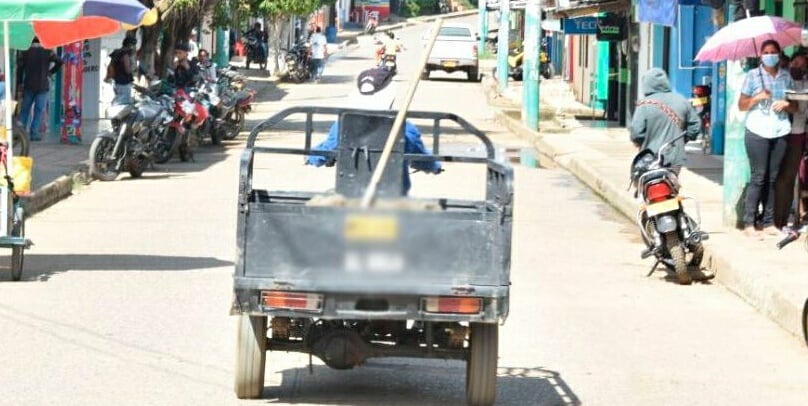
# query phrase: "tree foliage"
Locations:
[[176, 20]]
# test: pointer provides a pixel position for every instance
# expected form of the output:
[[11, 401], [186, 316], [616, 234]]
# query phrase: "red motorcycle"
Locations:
[[701, 103], [189, 118]]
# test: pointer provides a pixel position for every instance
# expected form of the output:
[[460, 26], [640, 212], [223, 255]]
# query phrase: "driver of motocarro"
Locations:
[[370, 96]]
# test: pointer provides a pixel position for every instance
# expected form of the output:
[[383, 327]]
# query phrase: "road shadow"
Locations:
[[40, 267], [421, 382], [336, 79]]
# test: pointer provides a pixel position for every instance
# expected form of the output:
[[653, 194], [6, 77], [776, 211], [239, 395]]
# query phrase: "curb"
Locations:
[[786, 310]]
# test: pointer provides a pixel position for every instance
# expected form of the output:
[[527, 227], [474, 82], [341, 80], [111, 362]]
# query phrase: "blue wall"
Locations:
[[694, 24]]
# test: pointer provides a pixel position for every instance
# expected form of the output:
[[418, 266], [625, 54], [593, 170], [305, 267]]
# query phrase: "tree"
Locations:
[[278, 11], [176, 19]]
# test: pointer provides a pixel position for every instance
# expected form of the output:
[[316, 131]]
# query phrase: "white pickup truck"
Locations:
[[455, 49]]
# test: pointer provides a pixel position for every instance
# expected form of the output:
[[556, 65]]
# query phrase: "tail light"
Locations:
[[455, 305], [657, 191], [275, 299], [474, 50]]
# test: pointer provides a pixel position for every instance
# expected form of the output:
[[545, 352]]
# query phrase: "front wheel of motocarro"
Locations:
[[251, 347], [481, 365]]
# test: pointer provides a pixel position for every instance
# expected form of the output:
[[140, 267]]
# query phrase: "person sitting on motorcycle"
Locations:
[[186, 74], [206, 66], [260, 35], [373, 92], [390, 46], [661, 117]]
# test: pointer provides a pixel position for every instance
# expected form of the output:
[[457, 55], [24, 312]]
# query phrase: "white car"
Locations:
[[455, 49]]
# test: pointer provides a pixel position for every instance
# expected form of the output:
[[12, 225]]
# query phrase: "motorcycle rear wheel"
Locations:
[[234, 124], [166, 146], [677, 253], [136, 166], [102, 164]]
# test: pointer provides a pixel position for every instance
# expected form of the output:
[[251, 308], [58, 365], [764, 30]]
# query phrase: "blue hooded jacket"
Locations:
[[412, 145]]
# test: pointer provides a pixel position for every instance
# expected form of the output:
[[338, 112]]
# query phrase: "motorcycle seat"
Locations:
[[119, 111]]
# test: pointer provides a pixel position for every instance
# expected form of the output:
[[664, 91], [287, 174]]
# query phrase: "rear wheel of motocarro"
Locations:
[[481, 365], [251, 346], [677, 253], [102, 164], [235, 123]]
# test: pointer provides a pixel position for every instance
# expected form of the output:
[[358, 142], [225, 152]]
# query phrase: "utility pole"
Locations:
[[530, 77], [736, 164], [482, 15], [503, 33]]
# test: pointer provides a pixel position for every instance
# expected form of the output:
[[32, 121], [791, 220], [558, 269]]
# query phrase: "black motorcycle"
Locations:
[[135, 139], [255, 51], [669, 233], [298, 63]]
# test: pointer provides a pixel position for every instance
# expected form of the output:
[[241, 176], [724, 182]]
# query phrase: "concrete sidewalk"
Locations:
[[774, 281]]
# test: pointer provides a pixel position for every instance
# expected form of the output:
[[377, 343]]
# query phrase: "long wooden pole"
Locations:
[[370, 193]]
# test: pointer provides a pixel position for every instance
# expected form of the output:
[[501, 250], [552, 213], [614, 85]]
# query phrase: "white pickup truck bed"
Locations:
[[455, 49]]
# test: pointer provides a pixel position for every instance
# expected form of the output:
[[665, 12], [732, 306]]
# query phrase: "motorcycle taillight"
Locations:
[[657, 192]]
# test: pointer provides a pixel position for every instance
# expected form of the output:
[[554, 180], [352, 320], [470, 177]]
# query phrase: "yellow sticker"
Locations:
[[371, 228]]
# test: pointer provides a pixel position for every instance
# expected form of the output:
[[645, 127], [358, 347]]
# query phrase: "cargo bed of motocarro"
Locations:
[[401, 260]]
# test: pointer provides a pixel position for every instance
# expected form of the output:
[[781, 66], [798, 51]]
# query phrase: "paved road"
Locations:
[[127, 294]]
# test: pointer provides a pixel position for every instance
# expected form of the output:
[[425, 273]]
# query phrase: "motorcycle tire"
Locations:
[[21, 140], [186, 148], [548, 72], [677, 254], [235, 123], [215, 135], [136, 166], [166, 146], [101, 167]]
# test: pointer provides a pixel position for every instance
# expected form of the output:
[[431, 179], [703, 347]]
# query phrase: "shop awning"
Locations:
[[573, 9]]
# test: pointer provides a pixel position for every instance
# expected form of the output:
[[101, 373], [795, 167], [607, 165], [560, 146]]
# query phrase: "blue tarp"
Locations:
[[661, 12]]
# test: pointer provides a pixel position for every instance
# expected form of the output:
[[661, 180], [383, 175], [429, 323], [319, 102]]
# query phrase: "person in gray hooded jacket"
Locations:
[[662, 116]]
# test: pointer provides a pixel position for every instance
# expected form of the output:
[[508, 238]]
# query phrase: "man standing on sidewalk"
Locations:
[[33, 72], [318, 53], [661, 117]]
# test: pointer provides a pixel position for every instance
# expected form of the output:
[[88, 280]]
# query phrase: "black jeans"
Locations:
[[765, 155]]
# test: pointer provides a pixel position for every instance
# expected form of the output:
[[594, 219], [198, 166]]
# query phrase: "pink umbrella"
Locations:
[[742, 39]]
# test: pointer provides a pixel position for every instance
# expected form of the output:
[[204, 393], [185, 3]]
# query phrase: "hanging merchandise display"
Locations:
[[73, 69]]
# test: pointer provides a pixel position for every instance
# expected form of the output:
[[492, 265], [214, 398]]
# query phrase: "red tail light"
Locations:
[[657, 192], [474, 50]]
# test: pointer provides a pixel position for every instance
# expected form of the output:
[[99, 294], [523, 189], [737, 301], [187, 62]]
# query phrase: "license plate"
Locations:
[[449, 64], [662, 207], [371, 228]]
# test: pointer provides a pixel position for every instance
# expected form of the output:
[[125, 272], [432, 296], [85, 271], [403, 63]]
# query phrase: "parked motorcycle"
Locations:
[[700, 99], [254, 51], [514, 64], [669, 233], [190, 117], [134, 139], [298, 63], [237, 102]]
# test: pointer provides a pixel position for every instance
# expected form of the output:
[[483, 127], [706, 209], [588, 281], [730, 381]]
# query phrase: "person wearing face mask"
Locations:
[[784, 185], [767, 124]]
